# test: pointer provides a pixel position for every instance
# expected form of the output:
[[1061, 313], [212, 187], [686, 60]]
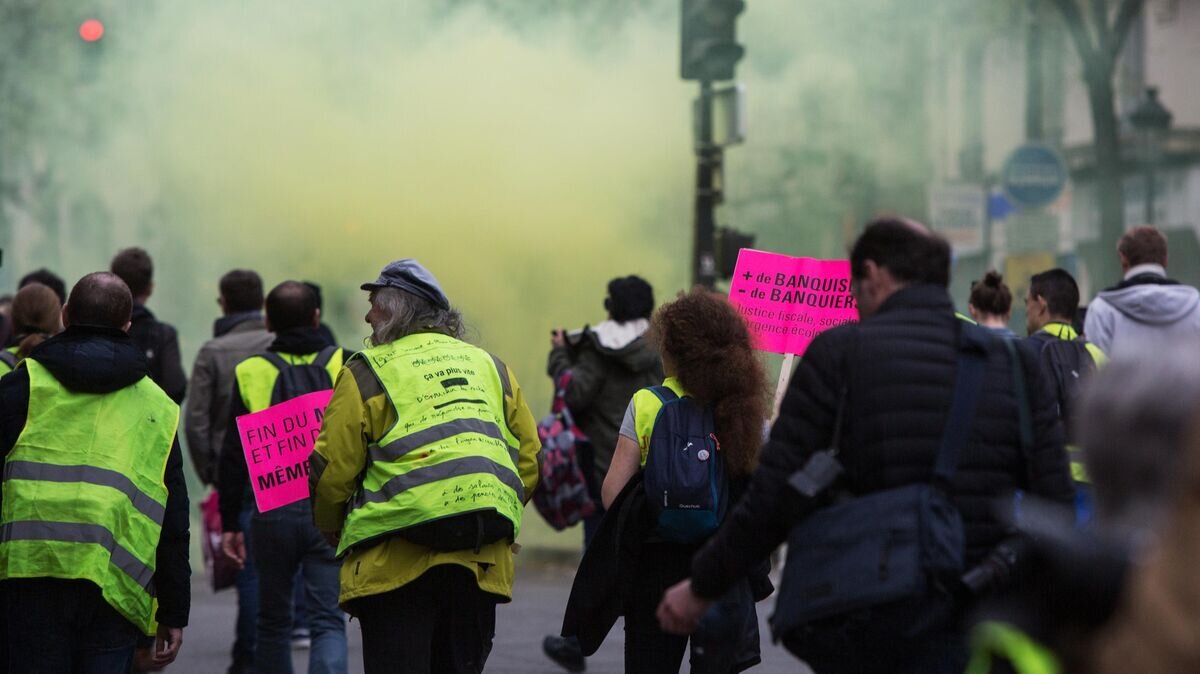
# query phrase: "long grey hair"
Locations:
[[404, 314]]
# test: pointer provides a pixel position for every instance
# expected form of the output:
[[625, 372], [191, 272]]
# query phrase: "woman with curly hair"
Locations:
[[707, 355]]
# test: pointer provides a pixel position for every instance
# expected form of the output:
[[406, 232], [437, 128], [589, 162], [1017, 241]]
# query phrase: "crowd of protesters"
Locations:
[[1048, 477]]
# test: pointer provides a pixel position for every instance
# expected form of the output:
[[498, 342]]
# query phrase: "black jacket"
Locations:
[[899, 369], [233, 478], [99, 360], [160, 344]]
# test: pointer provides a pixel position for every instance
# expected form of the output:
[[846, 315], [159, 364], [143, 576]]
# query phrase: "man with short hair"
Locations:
[[894, 375], [1066, 358], [239, 333], [94, 512], [158, 340], [426, 458], [1146, 308], [47, 278], [286, 544]]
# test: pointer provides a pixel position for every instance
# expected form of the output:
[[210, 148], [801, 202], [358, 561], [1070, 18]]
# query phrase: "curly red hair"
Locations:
[[708, 343]]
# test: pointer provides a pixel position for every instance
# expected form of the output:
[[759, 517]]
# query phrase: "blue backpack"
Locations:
[[684, 476]]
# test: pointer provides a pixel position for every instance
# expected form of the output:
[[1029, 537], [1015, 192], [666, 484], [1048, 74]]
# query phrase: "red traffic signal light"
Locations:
[[91, 30]]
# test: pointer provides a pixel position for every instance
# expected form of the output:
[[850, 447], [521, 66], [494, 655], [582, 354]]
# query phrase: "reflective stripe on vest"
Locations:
[[256, 376], [84, 490], [1078, 466], [646, 407], [993, 640], [450, 451]]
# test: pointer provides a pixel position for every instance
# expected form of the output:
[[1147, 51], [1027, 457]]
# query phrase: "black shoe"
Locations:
[[565, 653]]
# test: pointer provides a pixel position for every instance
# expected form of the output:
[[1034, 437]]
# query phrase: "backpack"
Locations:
[[1068, 363], [562, 496], [296, 380], [684, 478]]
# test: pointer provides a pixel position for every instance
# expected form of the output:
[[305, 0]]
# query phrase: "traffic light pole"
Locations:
[[708, 164]]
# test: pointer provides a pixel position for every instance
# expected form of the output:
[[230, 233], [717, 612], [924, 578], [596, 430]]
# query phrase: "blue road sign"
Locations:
[[1034, 175]]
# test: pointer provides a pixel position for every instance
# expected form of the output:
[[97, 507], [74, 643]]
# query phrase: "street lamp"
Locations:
[[1151, 120]]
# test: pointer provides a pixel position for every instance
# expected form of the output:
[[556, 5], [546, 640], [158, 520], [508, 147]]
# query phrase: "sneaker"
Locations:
[[565, 652], [300, 639]]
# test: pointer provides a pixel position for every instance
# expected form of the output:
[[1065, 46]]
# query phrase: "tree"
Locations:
[[1099, 34]]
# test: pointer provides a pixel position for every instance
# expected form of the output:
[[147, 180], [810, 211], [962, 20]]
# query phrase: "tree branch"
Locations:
[[1073, 17], [1100, 26], [1126, 13]]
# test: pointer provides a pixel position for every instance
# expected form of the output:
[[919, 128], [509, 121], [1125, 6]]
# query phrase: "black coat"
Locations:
[[97, 360], [160, 344], [602, 587], [898, 368]]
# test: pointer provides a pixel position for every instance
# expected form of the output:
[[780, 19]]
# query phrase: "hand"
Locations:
[[681, 610], [143, 659], [233, 544], [558, 339], [166, 645], [333, 538]]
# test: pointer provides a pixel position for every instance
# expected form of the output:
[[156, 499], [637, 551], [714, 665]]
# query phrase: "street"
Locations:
[[520, 626]]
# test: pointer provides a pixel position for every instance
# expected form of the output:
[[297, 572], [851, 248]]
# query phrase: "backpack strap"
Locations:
[[663, 393], [324, 356], [274, 359], [968, 381]]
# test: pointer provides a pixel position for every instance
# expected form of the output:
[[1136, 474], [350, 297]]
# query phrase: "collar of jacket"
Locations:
[[921, 296], [299, 341], [226, 324], [89, 359]]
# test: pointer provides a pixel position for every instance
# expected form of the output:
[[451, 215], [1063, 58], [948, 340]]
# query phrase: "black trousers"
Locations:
[[56, 625], [441, 623], [649, 650]]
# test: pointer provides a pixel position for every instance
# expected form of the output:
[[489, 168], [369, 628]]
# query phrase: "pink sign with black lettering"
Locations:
[[787, 301], [277, 442]]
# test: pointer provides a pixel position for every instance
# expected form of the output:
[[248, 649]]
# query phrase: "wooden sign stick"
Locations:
[[785, 376]]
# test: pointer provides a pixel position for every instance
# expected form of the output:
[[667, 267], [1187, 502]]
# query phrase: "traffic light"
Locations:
[[91, 30], [729, 242], [709, 48]]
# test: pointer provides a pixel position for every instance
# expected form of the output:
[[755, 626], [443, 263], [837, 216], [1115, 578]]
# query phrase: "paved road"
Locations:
[[537, 610]]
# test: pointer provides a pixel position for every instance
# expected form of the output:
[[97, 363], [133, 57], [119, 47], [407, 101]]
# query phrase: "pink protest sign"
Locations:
[[789, 300], [277, 442]]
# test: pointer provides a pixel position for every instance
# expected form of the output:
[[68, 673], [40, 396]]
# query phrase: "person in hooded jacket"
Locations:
[[608, 364], [1146, 308], [85, 607]]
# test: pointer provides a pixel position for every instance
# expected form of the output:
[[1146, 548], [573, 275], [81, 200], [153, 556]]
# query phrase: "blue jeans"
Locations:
[[57, 625], [246, 584], [285, 541]]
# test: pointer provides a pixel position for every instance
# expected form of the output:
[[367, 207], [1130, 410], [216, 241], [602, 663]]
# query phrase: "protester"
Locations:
[[991, 304], [284, 539], [47, 278], [1066, 358], [158, 340], [418, 415], [36, 316], [1146, 308], [896, 371], [95, 509], [326, 331], [708, 358], [238, 334], [606, 365], [1077, 610]]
